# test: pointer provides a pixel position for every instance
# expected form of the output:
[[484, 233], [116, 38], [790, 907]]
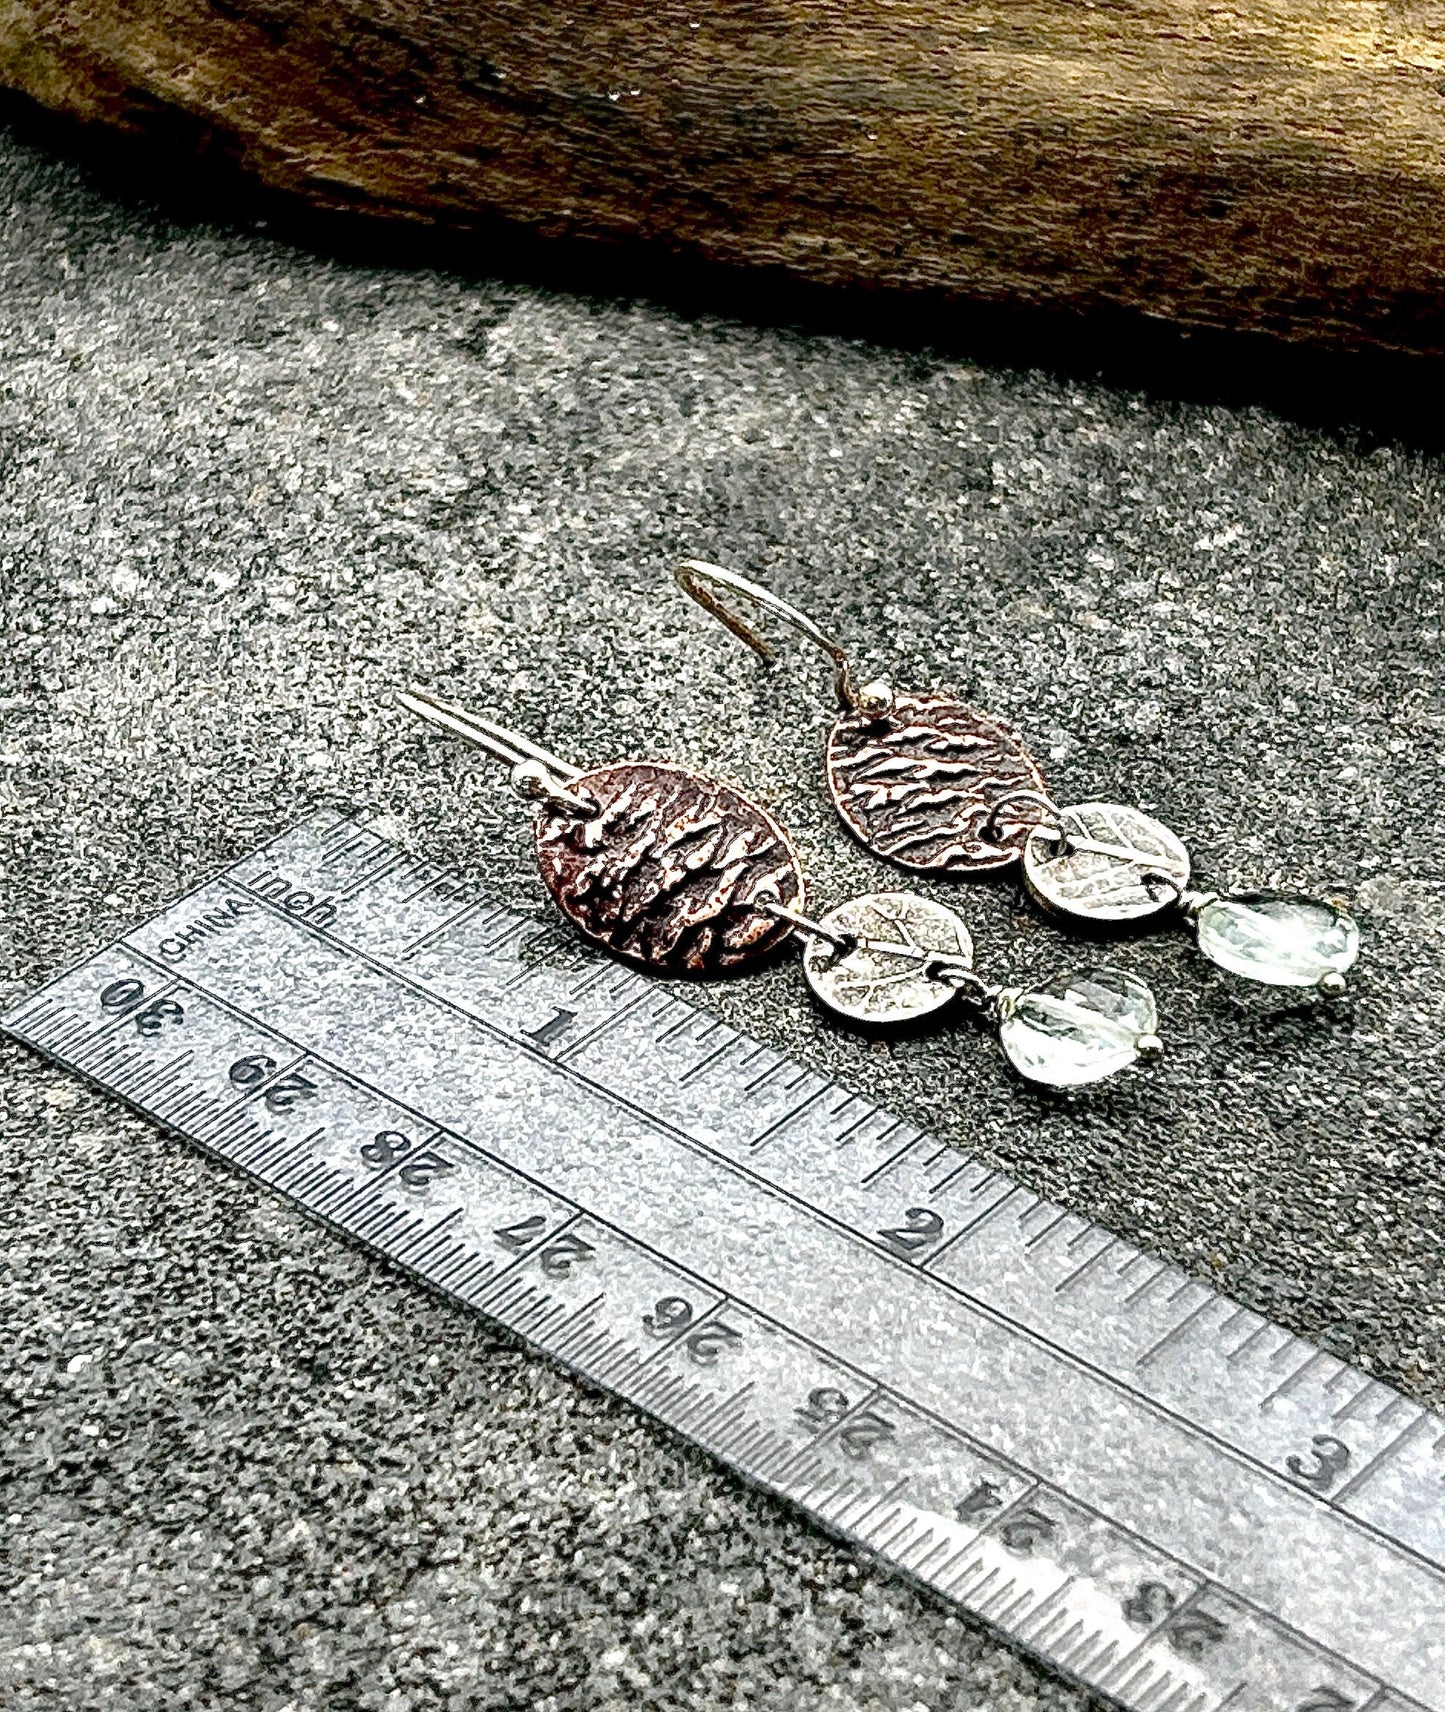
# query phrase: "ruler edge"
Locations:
[[715, 1462], [1028, 1333], [1383, 1695]]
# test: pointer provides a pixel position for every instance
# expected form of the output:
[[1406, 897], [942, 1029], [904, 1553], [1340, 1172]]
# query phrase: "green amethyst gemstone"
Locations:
[[1079, 1029], [1284, 942]]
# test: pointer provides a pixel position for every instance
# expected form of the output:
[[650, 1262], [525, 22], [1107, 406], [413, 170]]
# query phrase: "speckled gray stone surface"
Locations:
[[244, 492]]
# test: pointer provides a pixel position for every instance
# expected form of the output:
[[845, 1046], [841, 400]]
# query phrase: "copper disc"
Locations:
[[665, 871], [919, 785]]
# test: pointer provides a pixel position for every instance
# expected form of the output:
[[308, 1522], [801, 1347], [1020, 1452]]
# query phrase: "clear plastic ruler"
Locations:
[[1161, 1493]]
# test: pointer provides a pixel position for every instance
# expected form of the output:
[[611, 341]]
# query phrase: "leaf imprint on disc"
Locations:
[[1121, 865]]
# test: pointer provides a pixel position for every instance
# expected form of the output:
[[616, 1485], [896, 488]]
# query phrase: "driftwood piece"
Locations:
[[1273, 165]]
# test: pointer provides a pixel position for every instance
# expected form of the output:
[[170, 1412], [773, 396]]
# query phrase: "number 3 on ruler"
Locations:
[[1332, 1458]]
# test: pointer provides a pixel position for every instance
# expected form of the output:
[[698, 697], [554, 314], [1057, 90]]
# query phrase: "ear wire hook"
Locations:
[[707, 583], [536, 773]]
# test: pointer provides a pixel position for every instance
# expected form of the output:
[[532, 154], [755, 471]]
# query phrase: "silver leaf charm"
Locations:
[[1105, 863]]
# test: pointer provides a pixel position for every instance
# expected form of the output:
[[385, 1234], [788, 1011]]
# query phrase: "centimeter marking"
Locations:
[[1166, 1496]]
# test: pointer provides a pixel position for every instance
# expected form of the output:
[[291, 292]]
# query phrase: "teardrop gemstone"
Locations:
[[1079, 1029], [1284, 942]]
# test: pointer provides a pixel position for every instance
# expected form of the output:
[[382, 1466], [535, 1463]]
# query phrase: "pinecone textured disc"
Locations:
[[665, 871], [919, 785]]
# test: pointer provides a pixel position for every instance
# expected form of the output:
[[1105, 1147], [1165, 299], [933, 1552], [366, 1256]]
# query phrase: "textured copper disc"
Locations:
[[919, 786], [665, 871]]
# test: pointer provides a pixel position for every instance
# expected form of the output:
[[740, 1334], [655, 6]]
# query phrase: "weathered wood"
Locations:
[[1267, 164]]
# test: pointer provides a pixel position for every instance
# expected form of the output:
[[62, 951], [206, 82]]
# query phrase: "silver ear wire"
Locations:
[[536, 774], [707, 585]]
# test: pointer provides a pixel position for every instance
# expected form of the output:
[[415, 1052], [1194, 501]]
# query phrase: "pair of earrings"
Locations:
[[686, 876]]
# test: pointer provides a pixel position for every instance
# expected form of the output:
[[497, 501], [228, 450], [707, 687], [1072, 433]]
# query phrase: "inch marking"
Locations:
[[705, 1063], [1083, 1270], [424, 940], [603, 1028], [893, 1159], [1420, 1424], [1142, 1399], [787, 1118], [845, 1137], [972, 1226], [1176, 1332], [364, 882], [1040, 1237], [1285, 1386]]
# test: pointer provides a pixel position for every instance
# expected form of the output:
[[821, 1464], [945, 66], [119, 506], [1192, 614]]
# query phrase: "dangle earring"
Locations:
[[936, 786], [686, 876], [1104, 864], [653, 862]]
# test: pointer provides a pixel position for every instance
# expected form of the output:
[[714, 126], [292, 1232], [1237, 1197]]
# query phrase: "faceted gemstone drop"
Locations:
[[1079, 1029], [1284, 942]]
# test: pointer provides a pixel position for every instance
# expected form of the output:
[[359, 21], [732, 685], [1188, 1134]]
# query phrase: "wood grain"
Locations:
[[1274, 165]]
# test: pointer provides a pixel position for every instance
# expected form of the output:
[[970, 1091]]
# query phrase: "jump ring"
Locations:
[[1037, 798]]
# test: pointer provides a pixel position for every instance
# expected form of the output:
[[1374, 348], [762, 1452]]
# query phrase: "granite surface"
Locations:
[[245, 490]]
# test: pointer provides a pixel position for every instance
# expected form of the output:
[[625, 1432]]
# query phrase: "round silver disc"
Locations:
[[882, 980], [1117, 864]]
